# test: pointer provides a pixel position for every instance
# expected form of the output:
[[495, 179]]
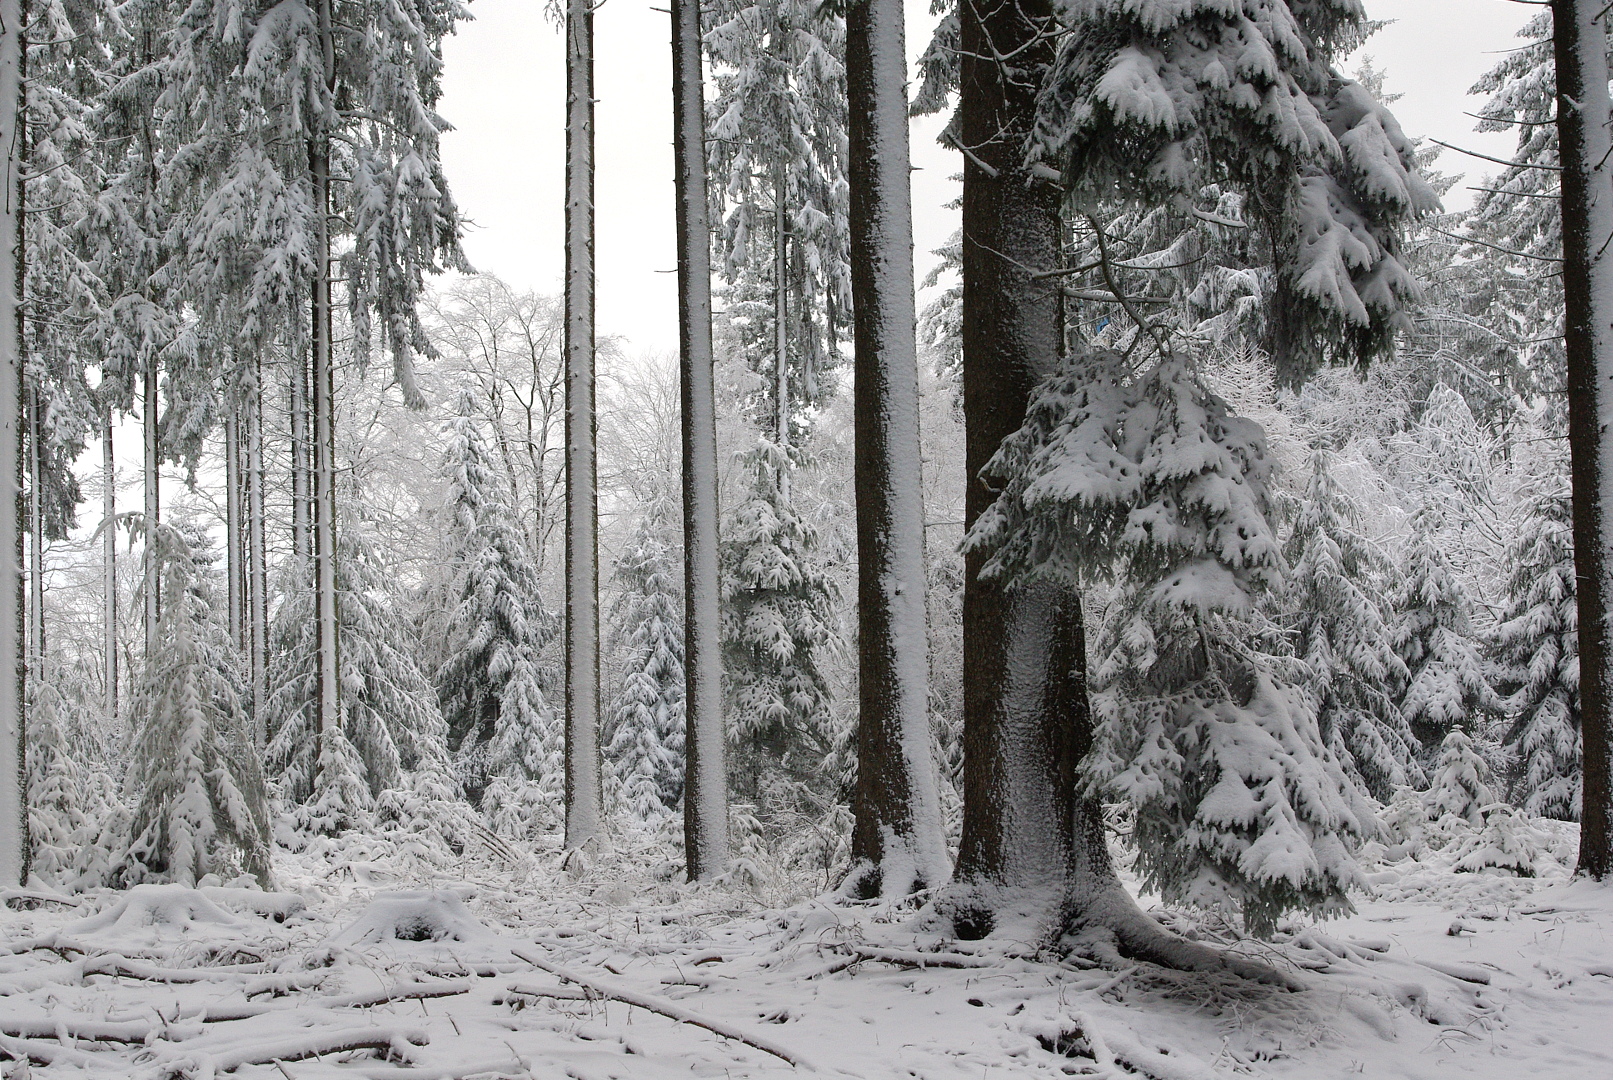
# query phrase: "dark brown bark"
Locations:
[[1587, 213], [897, 840], [705, 785], [323, 517]]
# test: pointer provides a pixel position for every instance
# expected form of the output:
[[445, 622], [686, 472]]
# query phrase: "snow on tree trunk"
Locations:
[[705, 785], [257, 566], [153, 500], [1586, 150], [301, 534], [234, 561], [109, 566], [13, 819], [327, 711], [36, 534], [899, 838], [584, 795]]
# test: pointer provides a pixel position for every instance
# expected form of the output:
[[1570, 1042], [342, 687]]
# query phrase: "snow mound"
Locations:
[[278, 906], [439, 916], [156, 906]]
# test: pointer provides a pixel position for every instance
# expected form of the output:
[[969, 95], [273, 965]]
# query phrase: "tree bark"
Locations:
[[257, 562], [1583, 114], [153, 501], [327, 712], [898, 839], [36, 535], [301, 504], [781, 320], [234, 562], [13, 724], [109, 562], [584, 800], [705, 780]]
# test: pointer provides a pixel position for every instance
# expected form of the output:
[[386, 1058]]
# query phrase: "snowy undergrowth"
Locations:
[[397, 967]]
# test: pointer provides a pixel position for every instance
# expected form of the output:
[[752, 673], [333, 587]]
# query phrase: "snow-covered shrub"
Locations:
[[1507, 841], [58, 828], [1460, 786], [1404, 824], [1205, 724], [200, 801]]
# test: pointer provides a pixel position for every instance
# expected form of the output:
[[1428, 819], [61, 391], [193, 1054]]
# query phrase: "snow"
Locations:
[[513, 972]]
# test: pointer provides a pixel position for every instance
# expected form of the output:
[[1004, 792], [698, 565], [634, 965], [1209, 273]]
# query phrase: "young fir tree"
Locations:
[[1433, 633], [646, 747], [492, 686], [200, 802], [1205, 723], [777, 634], [58, 827], [1460, 786], [1536, 663], [390, 722], [1331, 606]]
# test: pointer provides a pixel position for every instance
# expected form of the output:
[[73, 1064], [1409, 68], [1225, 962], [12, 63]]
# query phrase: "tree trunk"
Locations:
[[36, 535], [584, 801], [1587, 210], [781, 321], [705, 781], [257, 563], [234, 562], [153, 502], [899, 838], [301, 504], [109, 563], [327, 714], [13, 725]]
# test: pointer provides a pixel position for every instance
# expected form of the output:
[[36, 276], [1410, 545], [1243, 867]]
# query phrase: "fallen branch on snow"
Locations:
[[667, 1009], [403, 992], [299, 1047]]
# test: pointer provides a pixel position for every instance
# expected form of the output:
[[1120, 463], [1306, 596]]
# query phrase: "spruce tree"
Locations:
[[200, 801], [646, 747], [1536, 663], [492, 686], [1331, 607], [1446, 687]]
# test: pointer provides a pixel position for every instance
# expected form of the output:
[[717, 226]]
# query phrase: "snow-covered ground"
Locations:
[[364, 970]]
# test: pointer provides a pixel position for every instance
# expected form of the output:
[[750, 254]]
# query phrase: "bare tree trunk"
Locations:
[[257, 562], [324, 441], [584, 798], [153, 501], [1583, 114], [234, 562], [109, 562], [13, 722], [705, 781], [781, 320], [899, 838], [301, 503], [36, 535]]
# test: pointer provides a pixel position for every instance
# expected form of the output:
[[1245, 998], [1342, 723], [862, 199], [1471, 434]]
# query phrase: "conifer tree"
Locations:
[[1433, 633], [646, 747], [194, 775], [1343, 637], [490, 687], [1459, 786], [1536, 663]]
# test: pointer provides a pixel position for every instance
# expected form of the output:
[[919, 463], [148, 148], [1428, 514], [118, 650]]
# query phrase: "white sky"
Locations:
[[504, 92]]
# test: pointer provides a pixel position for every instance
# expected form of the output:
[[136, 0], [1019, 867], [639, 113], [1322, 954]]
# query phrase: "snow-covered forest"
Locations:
[[1142, 640]]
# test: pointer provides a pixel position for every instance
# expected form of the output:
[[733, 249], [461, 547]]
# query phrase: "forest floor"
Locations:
[[618, 974]]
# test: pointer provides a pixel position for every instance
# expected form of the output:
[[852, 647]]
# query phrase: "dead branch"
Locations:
[[403, 992]]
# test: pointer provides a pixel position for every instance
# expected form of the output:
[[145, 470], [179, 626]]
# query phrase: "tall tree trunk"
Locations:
[[705, 781], [584, 801], [899, 837], [13, 724], [109, 562], [301, 503], [1583, 114], [257, 561], [36, 534], [233, 553], [152, 494], [327, 713]]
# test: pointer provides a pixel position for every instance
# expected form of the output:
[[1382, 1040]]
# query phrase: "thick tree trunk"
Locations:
[[705, 781], [13, 808], [781, 321], [257, 564], [109, 563], [899, 839], [152, 495], [327, 713], [36, 534], [1587, 209], [584, 800]]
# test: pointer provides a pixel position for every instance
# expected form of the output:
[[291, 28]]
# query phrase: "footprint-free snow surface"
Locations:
[[530, 973]]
